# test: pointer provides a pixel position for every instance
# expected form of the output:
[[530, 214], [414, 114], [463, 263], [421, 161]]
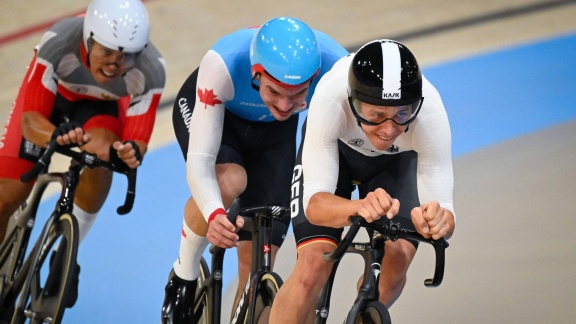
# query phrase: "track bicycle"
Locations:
[[366, 307], [30, 287], [262, 285]]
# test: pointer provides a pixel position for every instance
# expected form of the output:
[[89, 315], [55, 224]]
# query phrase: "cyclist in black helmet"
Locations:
[[374, 122]]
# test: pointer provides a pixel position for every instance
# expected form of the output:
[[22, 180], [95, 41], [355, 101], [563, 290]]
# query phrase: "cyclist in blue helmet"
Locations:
[[286, 50], [235, 119]]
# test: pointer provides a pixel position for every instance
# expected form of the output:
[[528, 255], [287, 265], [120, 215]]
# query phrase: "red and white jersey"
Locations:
[[61, 67], [330, 119]]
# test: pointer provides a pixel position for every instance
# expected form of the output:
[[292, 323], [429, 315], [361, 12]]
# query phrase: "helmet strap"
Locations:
[[85, 51], [254, 85]]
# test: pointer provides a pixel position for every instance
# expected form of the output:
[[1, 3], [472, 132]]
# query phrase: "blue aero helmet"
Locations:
[[286, 50]]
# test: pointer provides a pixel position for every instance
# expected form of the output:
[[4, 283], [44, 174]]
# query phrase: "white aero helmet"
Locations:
[[121, 25]]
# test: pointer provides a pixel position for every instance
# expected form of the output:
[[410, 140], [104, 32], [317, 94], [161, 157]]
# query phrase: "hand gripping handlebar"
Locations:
[[85, 159], [393, 231]]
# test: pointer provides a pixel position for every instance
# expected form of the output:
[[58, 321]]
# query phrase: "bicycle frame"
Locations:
[[212, 287], [261, 259], [373, 253], [69, 181], [19, 270], [25, 223], [261, 223]]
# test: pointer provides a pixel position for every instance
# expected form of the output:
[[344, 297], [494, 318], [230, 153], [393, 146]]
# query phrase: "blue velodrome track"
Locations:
[[490, 98]]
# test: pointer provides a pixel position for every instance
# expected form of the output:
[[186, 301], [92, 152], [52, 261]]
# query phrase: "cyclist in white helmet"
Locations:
[[374, 123], [94, 81], [235, 119]]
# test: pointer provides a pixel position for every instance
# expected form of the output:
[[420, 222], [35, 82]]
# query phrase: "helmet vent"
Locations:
[[134, 32]]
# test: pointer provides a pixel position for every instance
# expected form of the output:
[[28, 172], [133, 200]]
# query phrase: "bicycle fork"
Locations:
[[261, 264], [323, 307], [373, 254], [214, 281]]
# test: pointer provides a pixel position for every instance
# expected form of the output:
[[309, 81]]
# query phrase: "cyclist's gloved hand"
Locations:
[[222, 232], [125, 155], [65, 128], [70, 133], [137, 153]]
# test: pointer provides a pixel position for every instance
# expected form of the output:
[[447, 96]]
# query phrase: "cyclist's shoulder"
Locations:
[[63, 37], [152, 66], [233, 50], [432, 97], [235, 43], [333, 80], [428, 86], [67, 24], [228, 74], [151, 52], [329, 45]]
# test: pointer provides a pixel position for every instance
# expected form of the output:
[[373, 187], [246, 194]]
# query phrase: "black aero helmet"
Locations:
[[385, 73]]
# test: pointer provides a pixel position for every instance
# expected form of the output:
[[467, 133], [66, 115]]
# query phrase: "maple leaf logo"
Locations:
[[208, 98]]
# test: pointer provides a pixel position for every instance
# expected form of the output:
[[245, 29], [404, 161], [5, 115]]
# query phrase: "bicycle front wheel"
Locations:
[[46, 289], [202, 307], [12, 253], [266, 291], [13, 248], [373, 313]]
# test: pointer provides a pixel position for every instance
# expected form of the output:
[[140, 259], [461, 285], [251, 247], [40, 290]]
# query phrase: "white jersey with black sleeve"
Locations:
[[330, 119]]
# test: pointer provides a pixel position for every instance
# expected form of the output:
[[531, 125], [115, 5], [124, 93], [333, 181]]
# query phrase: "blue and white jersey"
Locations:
[[233, 51], [225, 83]]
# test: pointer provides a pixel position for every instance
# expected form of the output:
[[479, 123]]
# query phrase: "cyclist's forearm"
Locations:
[[36, 128], [326, 209]]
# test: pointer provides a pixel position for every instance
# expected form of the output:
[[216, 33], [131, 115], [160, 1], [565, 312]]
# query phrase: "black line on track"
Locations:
[[454, 25], [473, 21]]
